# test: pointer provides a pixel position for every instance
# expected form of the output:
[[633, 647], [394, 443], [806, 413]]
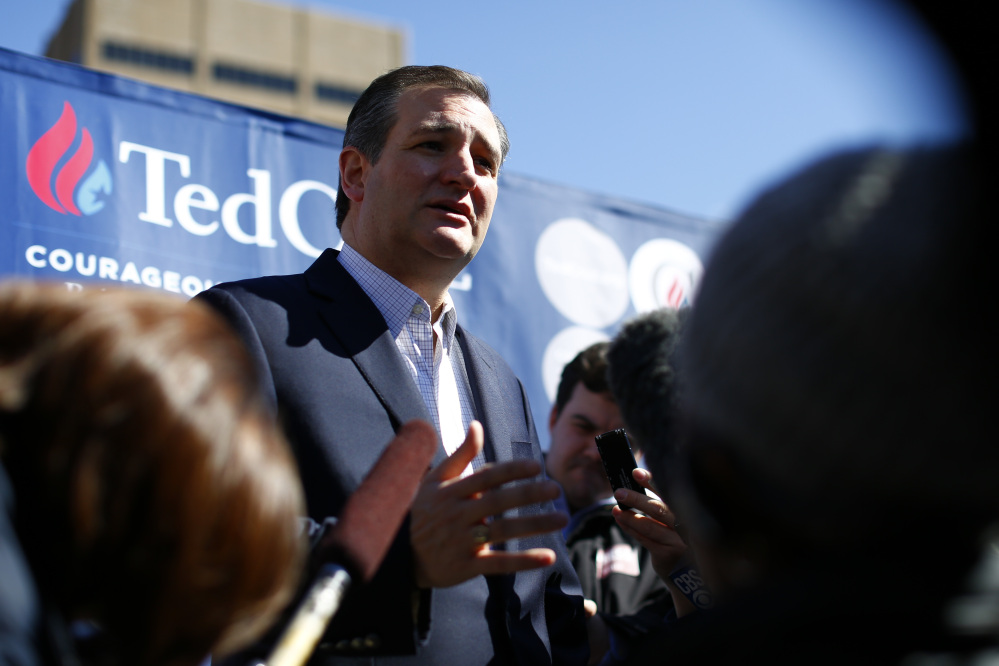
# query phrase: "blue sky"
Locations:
[[689, 105]]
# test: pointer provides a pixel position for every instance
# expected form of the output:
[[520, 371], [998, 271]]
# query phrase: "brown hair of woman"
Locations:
[[154, 496]]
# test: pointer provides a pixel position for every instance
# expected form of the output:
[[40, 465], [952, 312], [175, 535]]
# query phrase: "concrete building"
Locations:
[[280, 58]]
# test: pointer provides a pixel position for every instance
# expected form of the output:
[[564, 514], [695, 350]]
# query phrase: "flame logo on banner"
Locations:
[[55, 188]]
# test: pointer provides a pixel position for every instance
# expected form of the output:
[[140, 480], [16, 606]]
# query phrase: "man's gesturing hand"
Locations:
[[453, 522]]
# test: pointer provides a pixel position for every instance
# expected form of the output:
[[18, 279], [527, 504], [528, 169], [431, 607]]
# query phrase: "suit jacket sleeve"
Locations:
[[379, 615]]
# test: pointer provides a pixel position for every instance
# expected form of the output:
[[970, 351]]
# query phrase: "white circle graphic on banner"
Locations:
[[663, 273], [582, 272], [563, 348]]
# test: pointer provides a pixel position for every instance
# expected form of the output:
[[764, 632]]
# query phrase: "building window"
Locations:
[[255, 79], [142, 57], [332, 93]]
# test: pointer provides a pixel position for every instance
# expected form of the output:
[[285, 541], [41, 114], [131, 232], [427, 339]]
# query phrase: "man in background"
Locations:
[[625, 597]]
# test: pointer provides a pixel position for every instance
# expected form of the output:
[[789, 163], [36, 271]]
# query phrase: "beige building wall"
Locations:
[[275, 57]]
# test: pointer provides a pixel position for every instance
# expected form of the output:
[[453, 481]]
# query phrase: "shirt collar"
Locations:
[[395, 301]]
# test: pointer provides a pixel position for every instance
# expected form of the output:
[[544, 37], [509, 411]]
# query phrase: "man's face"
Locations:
[[573, 460], [426, 204]]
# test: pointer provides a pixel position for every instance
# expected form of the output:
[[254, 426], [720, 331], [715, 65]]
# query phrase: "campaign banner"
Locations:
[[107, 180], [562, 268]]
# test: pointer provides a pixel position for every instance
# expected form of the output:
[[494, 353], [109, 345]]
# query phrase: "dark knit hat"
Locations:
[[840, 348]]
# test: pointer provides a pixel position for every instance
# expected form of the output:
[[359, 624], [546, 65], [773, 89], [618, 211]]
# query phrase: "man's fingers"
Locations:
[[495, 562], [644, 478], [642, 525], [651, 507], [505, 529], [456, 463], [454, 507], [493, 476], [660, 540], [455, 518], [496, 501]]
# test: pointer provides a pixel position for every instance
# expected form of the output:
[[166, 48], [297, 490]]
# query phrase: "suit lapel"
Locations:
[[361, 330], [490, 405]]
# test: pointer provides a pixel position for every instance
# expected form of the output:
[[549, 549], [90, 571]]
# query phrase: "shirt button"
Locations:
[[418, 309]]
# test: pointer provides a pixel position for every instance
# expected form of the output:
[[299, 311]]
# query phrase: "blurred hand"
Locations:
[[452, 522], [596, 632], [655, 529]]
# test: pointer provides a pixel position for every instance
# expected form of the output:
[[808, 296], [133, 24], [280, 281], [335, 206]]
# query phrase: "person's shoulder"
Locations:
[[270, 286], [259, 298], [260, 285]]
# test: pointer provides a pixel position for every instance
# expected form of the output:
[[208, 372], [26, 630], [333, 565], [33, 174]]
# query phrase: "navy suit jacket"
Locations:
[[341, 389]]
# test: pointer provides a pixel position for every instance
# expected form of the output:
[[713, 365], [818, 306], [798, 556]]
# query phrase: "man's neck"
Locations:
[[435, 296], [430, 289]]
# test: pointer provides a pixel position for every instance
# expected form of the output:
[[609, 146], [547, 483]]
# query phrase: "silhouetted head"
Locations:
[[834, 364]]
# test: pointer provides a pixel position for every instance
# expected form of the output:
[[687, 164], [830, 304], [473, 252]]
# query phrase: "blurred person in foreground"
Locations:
[[144, 493], [368, 339], [625, 597], [836, 473]]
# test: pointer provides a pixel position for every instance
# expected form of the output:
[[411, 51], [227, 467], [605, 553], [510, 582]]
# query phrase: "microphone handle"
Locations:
[[312, 617]]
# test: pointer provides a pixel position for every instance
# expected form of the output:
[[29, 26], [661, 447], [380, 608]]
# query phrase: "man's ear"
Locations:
[[353, 170], [552, 417]]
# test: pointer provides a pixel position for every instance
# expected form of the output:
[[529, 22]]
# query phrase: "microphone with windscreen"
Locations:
[[355, 547]]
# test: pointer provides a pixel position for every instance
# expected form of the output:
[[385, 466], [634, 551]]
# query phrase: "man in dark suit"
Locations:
[[367, 339]]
